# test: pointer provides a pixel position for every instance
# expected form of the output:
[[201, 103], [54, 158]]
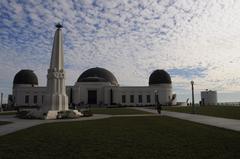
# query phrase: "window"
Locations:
[[35, 99], [123, 98], [131, 98], [27, 99], [139, 98], [42, 99], [156, 99], [148, 99]]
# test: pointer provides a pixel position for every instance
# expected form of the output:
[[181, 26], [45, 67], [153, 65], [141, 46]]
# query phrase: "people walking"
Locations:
[[159, 108]]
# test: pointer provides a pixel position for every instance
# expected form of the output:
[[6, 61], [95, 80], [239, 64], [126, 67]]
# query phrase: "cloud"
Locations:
[[188, 73], [192, 39]]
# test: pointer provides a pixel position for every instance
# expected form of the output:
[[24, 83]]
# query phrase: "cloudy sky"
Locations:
[[191, 39]]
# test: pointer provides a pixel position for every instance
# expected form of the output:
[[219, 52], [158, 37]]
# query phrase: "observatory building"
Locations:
[[95, 86]]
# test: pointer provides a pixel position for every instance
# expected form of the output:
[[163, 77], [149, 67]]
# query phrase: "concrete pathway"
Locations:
[[232, 124]]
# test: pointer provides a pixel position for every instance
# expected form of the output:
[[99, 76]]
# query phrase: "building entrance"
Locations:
[[92, 97]]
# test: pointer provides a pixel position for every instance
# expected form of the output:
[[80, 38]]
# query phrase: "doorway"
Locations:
[[92, 96]]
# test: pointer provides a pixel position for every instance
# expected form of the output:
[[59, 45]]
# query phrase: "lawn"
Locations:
[[111, 111], [232, 112], [117, 111], [120, 138], [8, 113], [4, 122]]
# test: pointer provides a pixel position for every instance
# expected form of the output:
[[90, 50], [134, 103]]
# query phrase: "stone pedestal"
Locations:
[[51, 114]]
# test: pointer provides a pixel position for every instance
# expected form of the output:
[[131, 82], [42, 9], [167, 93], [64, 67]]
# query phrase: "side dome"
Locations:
[[25, 77], [97, 74], [159, 77]]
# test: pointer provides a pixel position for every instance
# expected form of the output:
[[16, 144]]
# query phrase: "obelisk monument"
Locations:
[[56, 99]]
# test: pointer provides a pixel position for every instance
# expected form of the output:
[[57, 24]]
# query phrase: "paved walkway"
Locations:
[[232, 124]]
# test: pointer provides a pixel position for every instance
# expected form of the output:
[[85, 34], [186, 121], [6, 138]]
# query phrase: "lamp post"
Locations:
[[155, 94], [193, 106], [1, 102]]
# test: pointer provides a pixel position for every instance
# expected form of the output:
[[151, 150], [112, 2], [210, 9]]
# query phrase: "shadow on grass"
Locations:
[[117, 111]]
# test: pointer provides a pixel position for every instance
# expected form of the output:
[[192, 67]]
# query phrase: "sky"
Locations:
[[195, 40]]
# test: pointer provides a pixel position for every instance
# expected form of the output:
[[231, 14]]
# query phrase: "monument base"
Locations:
[[53, 114]]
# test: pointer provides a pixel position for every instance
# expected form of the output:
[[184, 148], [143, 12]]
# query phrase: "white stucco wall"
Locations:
[[164, 92], [209, 97], [20, 91], [80, 93]]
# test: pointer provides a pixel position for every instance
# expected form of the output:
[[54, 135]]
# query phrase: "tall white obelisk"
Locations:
[[56, 98]]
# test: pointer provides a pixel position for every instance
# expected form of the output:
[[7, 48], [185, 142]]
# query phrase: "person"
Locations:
[[159, 108]]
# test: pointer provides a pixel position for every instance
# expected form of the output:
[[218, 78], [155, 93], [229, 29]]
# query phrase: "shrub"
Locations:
[[26, 115], [87, 113], [22, 114], [67, 115]]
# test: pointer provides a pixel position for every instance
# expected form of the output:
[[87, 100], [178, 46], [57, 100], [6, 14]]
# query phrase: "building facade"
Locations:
[[97, 87]]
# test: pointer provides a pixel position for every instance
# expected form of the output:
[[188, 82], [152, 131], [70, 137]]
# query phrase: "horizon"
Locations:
[[192, 40]]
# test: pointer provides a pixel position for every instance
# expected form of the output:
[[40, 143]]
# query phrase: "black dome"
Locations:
[[97, 75], [159, 77], [25, 77]]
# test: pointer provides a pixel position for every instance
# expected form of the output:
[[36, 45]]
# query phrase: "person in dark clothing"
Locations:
[[159, 108]]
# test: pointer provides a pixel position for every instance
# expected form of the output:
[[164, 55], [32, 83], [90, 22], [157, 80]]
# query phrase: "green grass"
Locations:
[[117, 111], [120, 138], [232, 112], [8, 113], [4, 122]]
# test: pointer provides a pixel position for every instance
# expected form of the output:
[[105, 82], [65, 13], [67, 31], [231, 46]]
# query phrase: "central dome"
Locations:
[[97, 74]]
